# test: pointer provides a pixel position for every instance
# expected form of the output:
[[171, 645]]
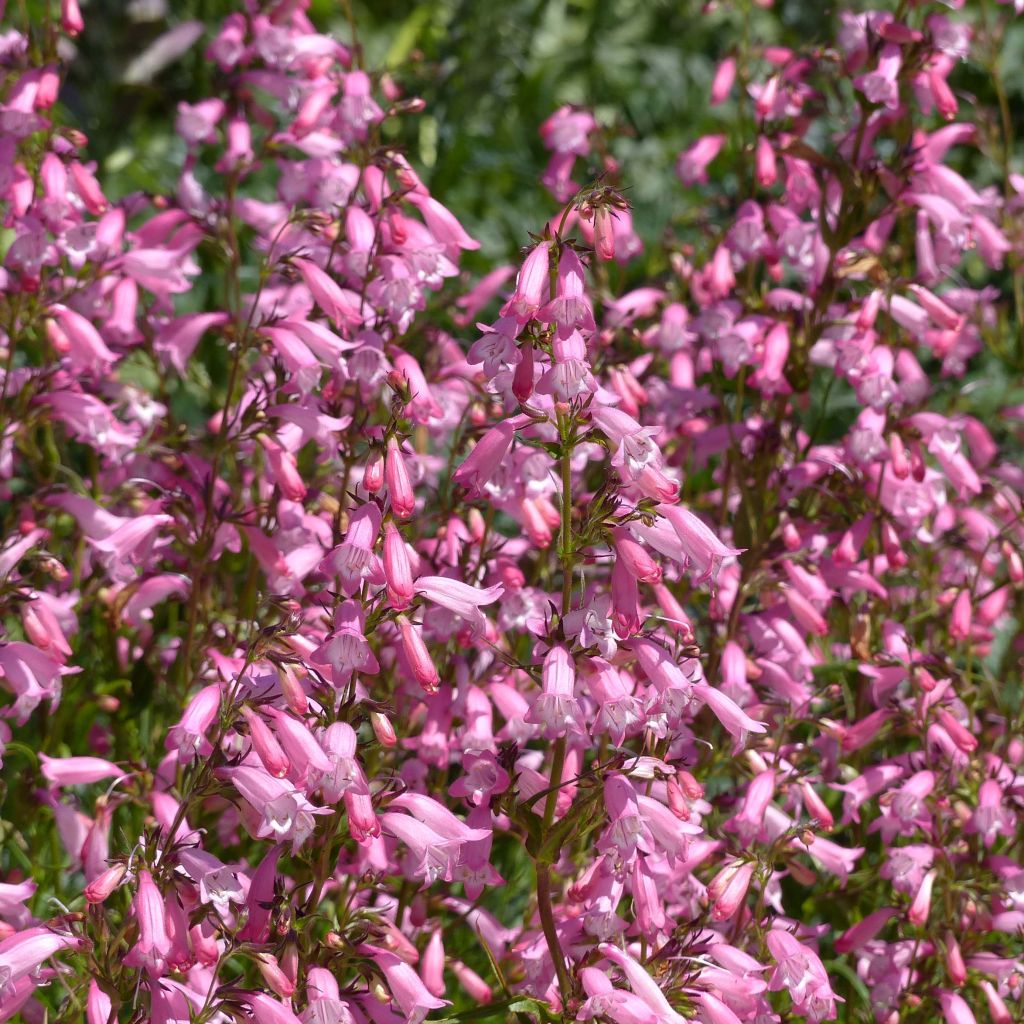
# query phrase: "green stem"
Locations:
[[544, 907], [547, 923]]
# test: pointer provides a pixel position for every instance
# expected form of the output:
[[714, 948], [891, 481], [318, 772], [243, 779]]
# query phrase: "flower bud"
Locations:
[[104, 884], [383, 729]]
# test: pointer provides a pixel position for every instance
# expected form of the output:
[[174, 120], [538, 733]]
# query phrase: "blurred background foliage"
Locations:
[[490, 73]]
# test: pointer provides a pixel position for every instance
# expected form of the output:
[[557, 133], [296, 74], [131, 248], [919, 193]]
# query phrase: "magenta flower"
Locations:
[[153, 946], [570, 309], [408, 992], [458, 597], [556, 709], [692, 164], [485, 459], [340, 307], [531, 286], [77, 771], [699, 548]]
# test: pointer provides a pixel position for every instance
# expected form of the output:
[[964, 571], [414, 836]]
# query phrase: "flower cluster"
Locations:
[[644, 653]]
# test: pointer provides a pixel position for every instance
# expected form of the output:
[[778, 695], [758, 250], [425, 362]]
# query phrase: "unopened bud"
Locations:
[[383, 729], [276, 979], [373, 474], [103, 885]]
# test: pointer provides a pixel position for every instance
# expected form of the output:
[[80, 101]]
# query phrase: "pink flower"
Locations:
[[802, 974], [619, 712], [955, 1009], [330, 297], [129, 545], [396, 475], [643, 985], [432, 965], [397, 569], [71, 17], [864, 930], [882, 85], [921, 904], [153, 945], [556, 709], [482, 778], [749, 820], [443, 225], [346, 649], [267, 1010], [570, 309], [97, 1004], [458, 597], [81, 342], [674, 682], [284, 469], [22, 953], [485, 459], [408, 992], [729, 713], [282, 812], [699, 548], [188, 735], [417, 655], [728, 889], [259, 899], [343, 773], [32, 676], [265, 744], [725, 76], [531, 285], [354, 559], [77, 771], [693, 162], [635, 557]]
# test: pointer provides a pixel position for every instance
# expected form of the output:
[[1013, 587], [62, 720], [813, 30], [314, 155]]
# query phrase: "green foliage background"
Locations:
[[490, 73]]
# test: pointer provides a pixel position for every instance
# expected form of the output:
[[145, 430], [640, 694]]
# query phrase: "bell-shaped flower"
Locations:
[[482, 777], [485, 459], [188, 735], [460, 598], [153, 946], [736, 721], [643, 985], [344, 774], [627, 832], [699, 547], [22, 954], [408, 992], [556, 709], [619, 712], [346, 649], [570, 309], [531, 285], [283, 812]]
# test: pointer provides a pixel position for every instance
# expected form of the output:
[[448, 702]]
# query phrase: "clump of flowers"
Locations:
[[641, 654]]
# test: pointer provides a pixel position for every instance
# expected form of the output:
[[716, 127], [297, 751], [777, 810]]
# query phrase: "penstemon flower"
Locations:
[[644, 652]]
